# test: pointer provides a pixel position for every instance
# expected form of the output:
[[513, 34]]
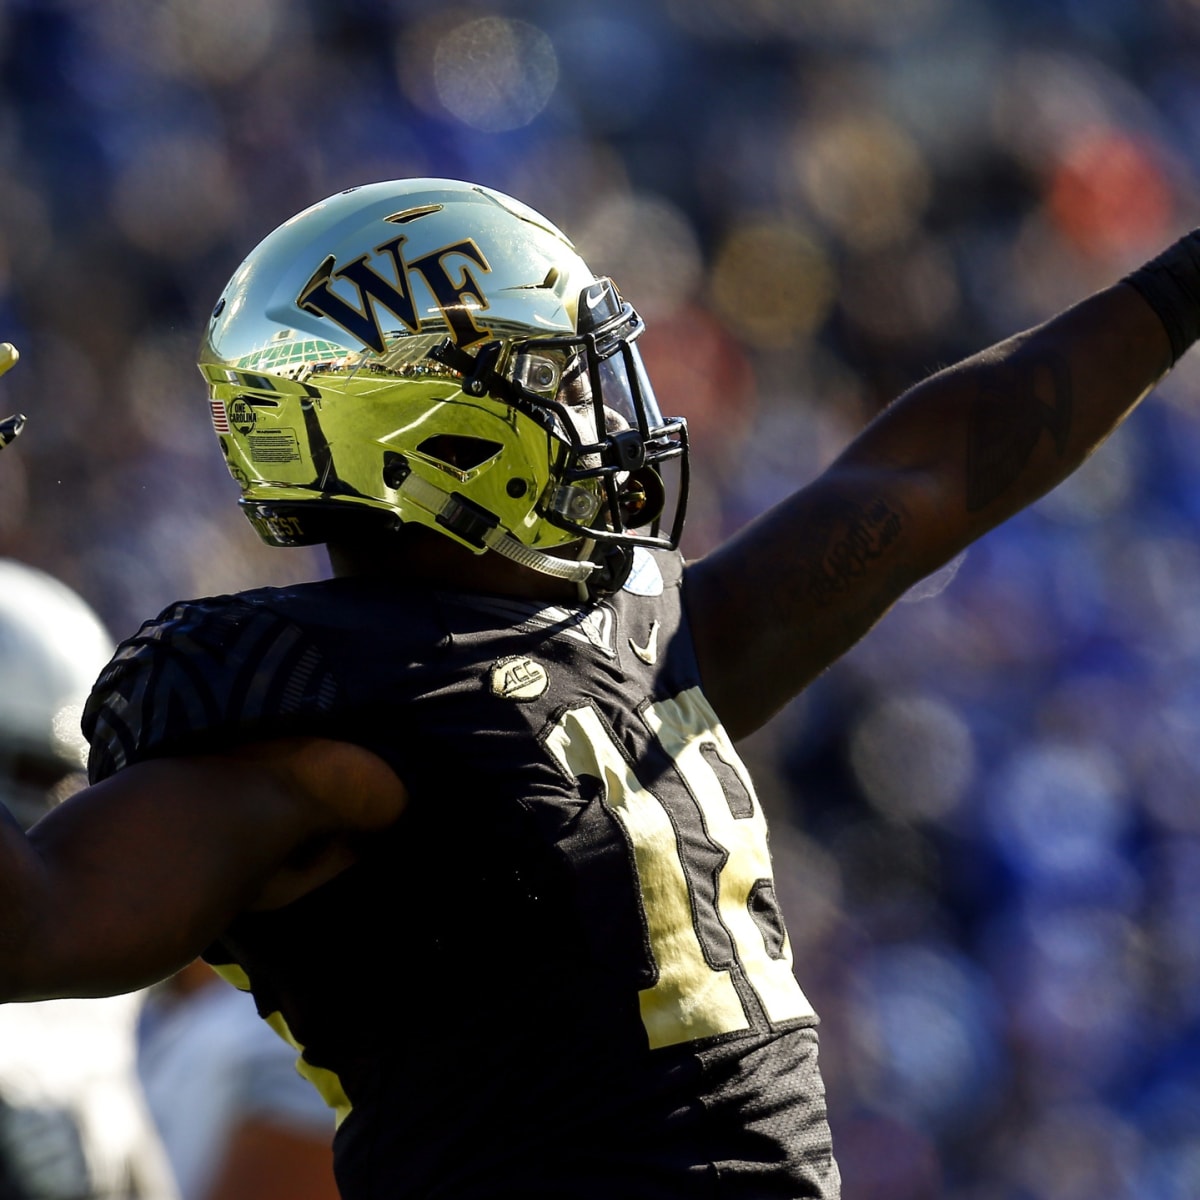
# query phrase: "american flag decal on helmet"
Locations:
[[220, 418]]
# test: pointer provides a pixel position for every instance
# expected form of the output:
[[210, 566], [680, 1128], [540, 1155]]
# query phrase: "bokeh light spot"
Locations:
[[913, 756], [495, 74], [648, 246], [220, 41], [772, 283], [1109, 193], [1059, 810], [865, 177]]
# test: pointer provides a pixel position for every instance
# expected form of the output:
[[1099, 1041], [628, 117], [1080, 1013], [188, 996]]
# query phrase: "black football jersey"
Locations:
[[563, 972]]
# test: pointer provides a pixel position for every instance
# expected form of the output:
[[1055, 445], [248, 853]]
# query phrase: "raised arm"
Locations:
[[130, 879], [950, 459]]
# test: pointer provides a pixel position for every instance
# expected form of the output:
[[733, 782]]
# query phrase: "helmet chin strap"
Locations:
[[443, 504], [578, 571], [594, 575]]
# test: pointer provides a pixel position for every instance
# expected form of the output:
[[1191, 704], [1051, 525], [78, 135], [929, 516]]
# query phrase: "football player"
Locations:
[[236, 1121], [71, 1122], [467, 818]]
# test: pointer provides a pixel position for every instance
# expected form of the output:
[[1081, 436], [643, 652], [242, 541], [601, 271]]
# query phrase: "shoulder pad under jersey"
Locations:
[[203, 675]]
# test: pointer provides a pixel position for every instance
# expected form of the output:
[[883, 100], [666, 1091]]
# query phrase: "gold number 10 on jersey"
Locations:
[[690, 998]]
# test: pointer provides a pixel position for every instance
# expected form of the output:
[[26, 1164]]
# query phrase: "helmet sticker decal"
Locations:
[[274, 446], [243, 417], [519, 678], [362, 320], [283, 529]]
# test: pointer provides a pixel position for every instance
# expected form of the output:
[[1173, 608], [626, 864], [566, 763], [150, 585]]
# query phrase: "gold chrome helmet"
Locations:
[[432, 351]]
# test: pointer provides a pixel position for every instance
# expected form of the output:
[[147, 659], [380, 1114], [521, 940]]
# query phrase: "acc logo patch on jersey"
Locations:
[[519, 678]]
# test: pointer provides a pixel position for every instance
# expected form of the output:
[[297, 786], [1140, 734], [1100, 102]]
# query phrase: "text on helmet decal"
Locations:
[[362, 320]]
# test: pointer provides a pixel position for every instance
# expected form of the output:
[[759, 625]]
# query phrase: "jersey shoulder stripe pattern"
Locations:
[[200, 675]]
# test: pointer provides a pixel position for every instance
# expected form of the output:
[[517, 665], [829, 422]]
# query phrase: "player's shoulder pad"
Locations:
[[202, 675]]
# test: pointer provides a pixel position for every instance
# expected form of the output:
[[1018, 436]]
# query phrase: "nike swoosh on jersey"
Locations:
[[649, 652]]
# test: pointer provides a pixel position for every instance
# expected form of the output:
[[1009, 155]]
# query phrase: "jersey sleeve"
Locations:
[[203, 676]]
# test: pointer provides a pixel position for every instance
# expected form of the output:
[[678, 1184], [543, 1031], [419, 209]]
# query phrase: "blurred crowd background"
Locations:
[[986, 818]]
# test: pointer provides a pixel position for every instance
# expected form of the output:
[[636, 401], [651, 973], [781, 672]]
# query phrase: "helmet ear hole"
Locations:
[[458, 451]]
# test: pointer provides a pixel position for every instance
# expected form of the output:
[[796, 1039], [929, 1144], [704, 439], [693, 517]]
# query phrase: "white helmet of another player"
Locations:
[[52, 647]]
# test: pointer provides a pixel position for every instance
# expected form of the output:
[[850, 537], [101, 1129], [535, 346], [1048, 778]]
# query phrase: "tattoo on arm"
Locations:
[[844, 539], [1014, 406]]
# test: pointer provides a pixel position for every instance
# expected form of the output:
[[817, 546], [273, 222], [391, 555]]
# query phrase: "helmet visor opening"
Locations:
[[598, 395]]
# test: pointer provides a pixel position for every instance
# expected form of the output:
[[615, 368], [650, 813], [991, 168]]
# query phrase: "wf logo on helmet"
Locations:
[[375, 291]]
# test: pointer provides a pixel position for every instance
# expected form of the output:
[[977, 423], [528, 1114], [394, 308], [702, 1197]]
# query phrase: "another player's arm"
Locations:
[[130, 879], [950, 459], [10, 427]]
